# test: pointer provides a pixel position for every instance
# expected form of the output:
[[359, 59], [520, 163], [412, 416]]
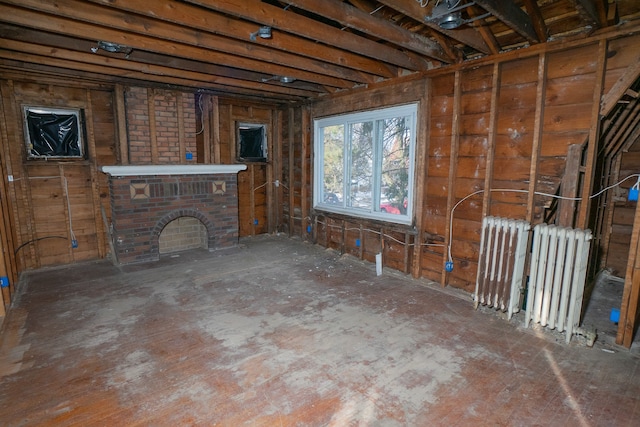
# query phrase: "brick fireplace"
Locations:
[[145, 199]]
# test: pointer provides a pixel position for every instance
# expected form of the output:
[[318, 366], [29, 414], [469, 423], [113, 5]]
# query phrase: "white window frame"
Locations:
[[409, 110]]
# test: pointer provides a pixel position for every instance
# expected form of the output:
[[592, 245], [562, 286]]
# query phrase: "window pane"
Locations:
[[364, 164], [333, 182], [360, 188], [396, 139]]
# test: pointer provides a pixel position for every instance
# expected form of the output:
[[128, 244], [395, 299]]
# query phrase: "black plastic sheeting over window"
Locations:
[[53, 133], [252, 143]]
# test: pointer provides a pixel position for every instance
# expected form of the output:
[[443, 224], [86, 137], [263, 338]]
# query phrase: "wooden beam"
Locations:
[[594, 136], [612, 12], [210, 21], [589, 11], [453, 163], [622, 120], [569, 187], [612, 171], [538, 125], [121, 126], [512, 16], [422, 153], [275, 204], [627, 131], [352, 17], [306, 168], [537, 19], [631, 291], [8, 226], [467, 36], [485, 32], [215, 109], [36, 37], [631, 74], [122, 68], [491, 137], [292, 162], [187, 47], [601, 6], [290, 22], [208, 128], [93, 172]]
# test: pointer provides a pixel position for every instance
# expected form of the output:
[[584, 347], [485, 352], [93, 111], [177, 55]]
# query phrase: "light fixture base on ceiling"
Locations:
[[281, 79], [447, 14], [263, 32], [112, 47]]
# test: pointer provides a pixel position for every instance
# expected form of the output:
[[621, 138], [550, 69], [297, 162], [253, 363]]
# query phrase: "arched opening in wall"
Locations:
[[181, 234]]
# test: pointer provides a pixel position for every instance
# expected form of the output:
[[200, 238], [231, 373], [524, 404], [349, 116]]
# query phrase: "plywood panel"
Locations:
[[476, 102], [474, 124], [569, 90], [556, 143], [477, 79], [581, 60], [519, 72], [473, 145], [567, 117]]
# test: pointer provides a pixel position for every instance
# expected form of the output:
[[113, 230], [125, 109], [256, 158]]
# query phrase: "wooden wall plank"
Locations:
[[216, 157], [121, 115]]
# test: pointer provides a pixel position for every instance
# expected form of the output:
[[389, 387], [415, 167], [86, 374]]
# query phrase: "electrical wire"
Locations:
[[68, 203], [538, 193], [384, 235], [448, 246]]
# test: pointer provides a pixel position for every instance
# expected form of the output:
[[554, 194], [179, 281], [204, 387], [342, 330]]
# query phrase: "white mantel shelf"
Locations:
[[147, 170]]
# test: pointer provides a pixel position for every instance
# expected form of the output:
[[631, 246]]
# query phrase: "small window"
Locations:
[[365, 163], [53, 133], [252, 142]]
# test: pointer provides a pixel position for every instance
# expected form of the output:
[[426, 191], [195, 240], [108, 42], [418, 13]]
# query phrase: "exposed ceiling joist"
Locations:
[[79, 20], [354, 18], [514, 17], [413, 9], [215, 23], [284, 20], [320, 47]]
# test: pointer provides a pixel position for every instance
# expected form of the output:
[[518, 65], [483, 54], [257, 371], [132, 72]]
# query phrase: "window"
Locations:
[[365, 163], [252, 142], [53, 133]]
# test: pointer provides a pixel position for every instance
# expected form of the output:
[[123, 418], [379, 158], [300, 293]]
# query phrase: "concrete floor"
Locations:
[[283, 333]]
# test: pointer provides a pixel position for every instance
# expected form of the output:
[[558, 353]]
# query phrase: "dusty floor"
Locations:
[[283, 333], [606, 296]]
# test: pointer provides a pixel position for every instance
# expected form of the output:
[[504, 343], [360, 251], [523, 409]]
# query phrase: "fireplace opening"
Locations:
[[181, 234]]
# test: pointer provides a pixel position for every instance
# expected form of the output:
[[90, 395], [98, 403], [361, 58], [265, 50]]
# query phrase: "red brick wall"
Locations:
[[171, 130], [138, 130], [142, 206]]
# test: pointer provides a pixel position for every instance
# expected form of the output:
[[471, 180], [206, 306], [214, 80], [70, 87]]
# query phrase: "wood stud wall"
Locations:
[[513, 125], [518, 123]]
